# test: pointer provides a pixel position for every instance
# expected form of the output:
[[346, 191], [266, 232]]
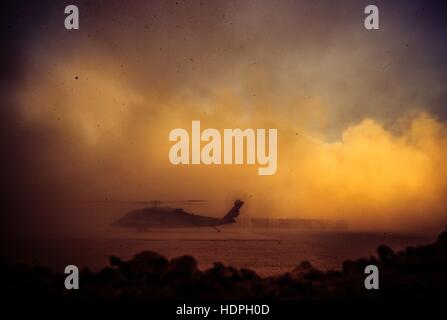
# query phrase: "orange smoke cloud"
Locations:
[[117, 142], [374, 177]]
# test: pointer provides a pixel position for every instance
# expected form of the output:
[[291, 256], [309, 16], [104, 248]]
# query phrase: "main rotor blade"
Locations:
[[157, 202], [131, 201], [190, 202]]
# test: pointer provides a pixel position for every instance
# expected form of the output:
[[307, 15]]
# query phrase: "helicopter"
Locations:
[[155, 216]]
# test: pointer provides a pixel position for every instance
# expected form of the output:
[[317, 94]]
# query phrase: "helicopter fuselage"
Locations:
[[166, 217], [159, 217]]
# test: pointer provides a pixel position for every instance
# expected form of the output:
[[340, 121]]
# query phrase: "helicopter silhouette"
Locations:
[[166, 217]]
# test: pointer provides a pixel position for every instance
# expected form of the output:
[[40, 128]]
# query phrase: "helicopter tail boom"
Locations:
[[234, 212]]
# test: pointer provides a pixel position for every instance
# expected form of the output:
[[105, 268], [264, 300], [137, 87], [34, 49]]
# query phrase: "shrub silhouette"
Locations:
[[416, 272]]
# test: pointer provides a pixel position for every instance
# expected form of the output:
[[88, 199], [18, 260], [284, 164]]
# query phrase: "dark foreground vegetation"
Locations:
[[417, 272]]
